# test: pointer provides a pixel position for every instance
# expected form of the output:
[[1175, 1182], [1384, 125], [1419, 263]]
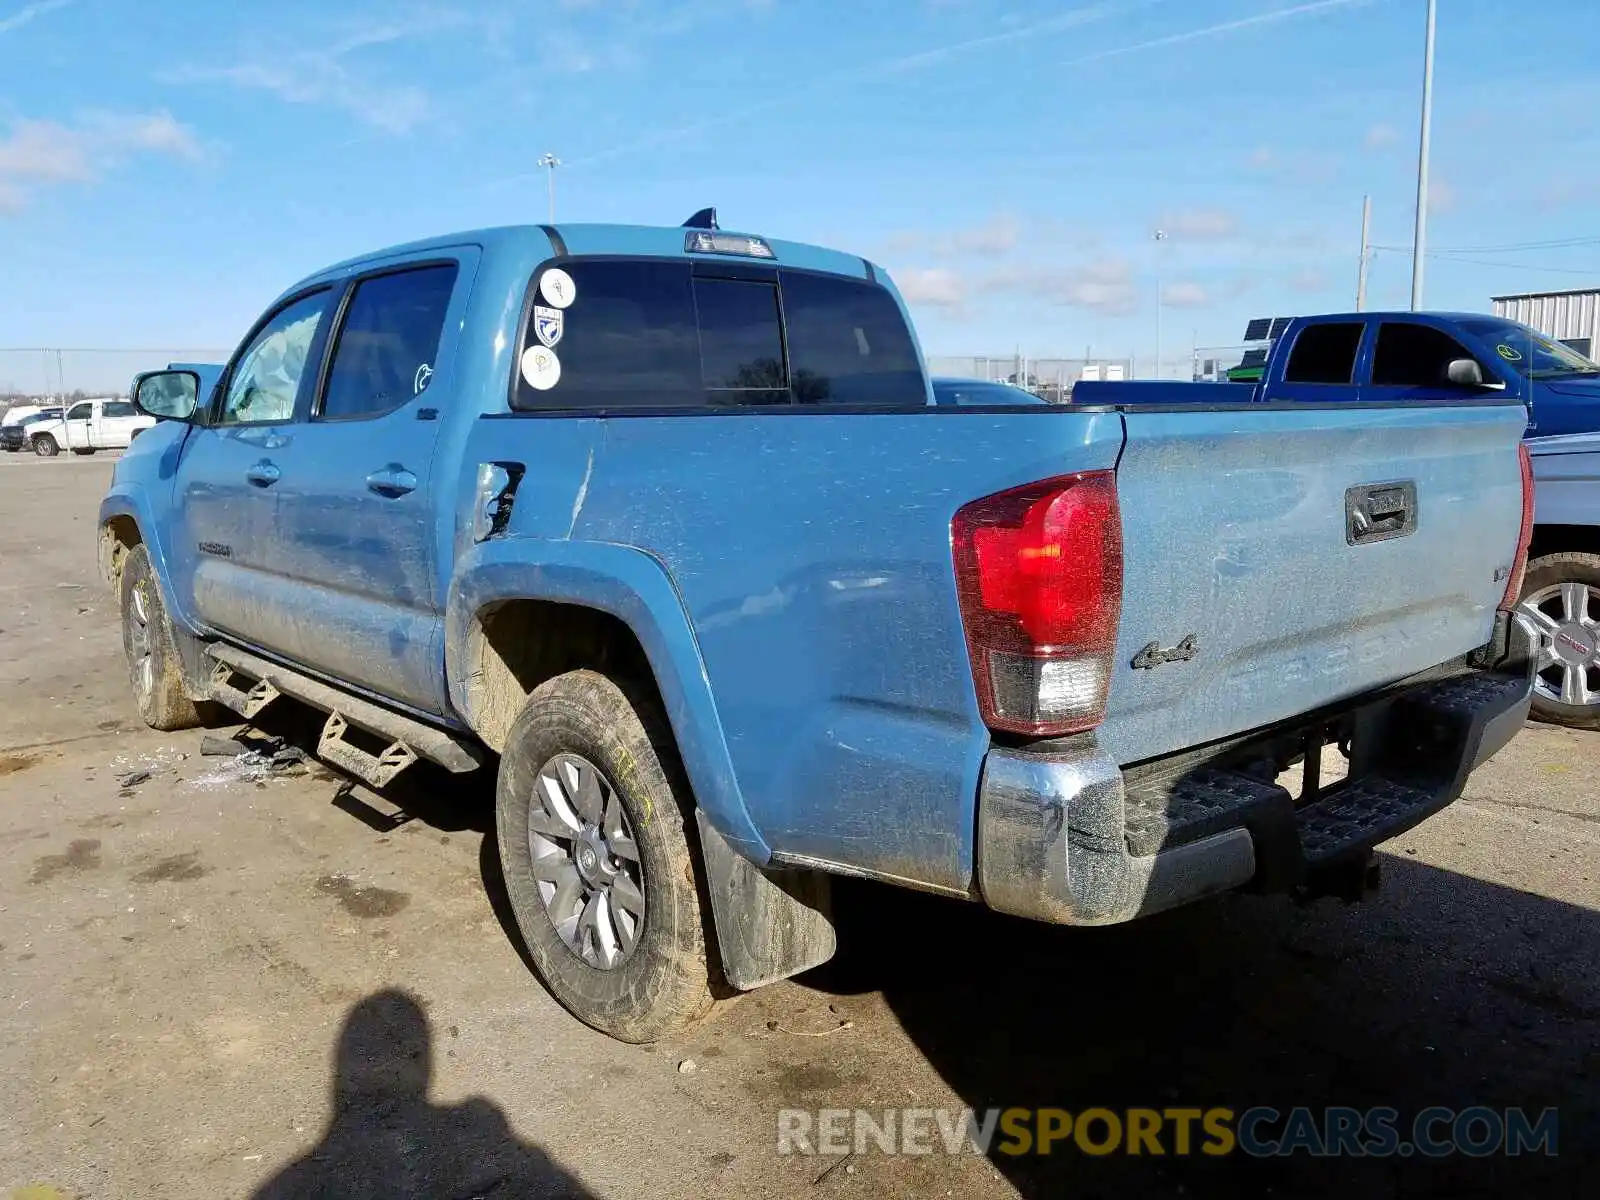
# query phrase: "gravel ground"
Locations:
[[219, 984]]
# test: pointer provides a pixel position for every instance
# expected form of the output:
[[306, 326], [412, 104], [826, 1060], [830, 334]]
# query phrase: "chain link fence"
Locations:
[[33, 374], [1051, 378]]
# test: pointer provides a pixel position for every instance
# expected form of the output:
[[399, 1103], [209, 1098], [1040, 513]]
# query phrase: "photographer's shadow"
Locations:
[[385, 1139]]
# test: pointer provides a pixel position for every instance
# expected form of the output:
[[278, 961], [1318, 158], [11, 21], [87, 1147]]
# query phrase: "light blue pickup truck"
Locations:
[[669, 523]]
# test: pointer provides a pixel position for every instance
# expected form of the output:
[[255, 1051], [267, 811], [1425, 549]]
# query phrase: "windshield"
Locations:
[[1529, 351], [49, 414]]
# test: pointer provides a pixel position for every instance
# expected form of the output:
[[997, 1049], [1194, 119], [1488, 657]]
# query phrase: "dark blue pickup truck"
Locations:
[[668, 522], [1383, 357]]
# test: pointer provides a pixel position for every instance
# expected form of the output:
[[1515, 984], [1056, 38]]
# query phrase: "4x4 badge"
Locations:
[[1153, 655], [548, 324]]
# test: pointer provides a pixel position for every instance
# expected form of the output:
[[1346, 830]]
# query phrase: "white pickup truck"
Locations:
[[90, 425]]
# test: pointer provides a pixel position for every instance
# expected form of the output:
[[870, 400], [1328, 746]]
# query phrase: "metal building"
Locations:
[[1569, 317]]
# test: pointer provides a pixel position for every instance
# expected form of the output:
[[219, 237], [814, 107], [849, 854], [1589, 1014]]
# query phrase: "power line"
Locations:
[[1592, 272]]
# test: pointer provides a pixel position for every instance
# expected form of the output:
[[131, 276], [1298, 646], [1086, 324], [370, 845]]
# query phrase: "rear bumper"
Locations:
[[1067, 836]]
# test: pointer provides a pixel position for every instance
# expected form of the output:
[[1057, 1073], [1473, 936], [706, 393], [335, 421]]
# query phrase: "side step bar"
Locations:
[[409, 738]]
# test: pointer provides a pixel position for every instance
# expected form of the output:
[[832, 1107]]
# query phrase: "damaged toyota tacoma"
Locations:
[[667, 524]]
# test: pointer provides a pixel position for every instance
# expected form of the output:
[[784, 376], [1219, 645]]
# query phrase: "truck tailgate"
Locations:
[[1254, 591]]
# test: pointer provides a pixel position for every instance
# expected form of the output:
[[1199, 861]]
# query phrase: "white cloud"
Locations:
[[31, 12], [35, 153], [1271, 17], [1184, 295], [935, 287], [1199, 224], [1103, 285], [997, 235], [321, 77], [1307, 279], [1441, 195], [325, 69], [1381, 135], [1262, 157]]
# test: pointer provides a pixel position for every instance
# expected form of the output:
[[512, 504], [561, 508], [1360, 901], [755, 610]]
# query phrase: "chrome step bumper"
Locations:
[[1066, 836]]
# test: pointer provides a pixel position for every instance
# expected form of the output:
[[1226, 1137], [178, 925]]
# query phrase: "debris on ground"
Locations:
[[133, 779], [216, 747]]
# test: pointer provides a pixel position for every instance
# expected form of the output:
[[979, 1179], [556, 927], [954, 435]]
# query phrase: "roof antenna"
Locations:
[[706, 218]]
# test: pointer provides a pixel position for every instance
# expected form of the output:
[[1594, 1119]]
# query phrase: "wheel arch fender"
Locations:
[[636, 589], [124, 504]]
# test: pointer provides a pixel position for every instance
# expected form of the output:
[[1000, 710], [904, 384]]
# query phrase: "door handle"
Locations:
[[392, 481], [263, 474]]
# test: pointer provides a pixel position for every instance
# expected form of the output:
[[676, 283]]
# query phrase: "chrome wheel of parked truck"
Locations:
[[1561, 608]]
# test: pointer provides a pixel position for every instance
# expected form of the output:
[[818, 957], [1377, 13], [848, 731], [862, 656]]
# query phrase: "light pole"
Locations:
[[1366, 253], [1158, 237], [1420, 240], [550, 162]]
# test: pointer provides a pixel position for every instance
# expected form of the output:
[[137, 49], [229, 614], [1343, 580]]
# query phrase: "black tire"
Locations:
[[665, 983], [45, 446], [86, 450], [1544, 574], [147, 634]]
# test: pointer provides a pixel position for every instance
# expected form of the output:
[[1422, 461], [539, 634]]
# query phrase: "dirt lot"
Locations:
[[212, 985]]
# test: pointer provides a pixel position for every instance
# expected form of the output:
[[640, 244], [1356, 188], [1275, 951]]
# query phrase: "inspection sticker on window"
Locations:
[[557, 288], [1509, 353], [541, 368], [548, 324]]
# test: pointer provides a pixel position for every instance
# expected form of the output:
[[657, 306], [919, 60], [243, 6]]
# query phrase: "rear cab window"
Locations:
[[619, 334], [1325, 353]]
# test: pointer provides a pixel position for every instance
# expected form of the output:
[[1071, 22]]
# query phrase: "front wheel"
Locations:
[[45, 446], [1560, 606], [147, 639], [594, 824]]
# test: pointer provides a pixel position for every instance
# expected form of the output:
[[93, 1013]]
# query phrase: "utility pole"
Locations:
[[1420, 241], [1158, 237], [66, 425], [1366, 253], [550, 162]]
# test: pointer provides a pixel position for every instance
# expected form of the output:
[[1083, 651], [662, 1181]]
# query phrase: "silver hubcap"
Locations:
[[139, 641], [586, 862], [1565, 617]]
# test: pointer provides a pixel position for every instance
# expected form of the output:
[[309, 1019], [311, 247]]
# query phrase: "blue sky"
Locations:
[[166, 169]]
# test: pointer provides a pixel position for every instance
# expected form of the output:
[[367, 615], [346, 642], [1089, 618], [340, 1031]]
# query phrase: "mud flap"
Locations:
[[771, 924]]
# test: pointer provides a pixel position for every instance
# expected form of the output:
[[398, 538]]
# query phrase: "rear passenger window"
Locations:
[[627, 339], [1415, 355], [118, 408], [386, 347], [1324, 354], [848, 344]]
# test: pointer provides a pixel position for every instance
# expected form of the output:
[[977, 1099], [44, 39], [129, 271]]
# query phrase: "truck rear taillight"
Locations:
[[1519, 564], [1039, 577]]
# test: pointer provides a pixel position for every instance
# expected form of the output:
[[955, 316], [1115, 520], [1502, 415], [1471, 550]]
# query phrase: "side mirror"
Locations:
[[167, 395], [1466, 372]]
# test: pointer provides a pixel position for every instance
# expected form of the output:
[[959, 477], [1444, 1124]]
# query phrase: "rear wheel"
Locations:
[[594, 826], [45, 446], [1560, 606], [147, 639]]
